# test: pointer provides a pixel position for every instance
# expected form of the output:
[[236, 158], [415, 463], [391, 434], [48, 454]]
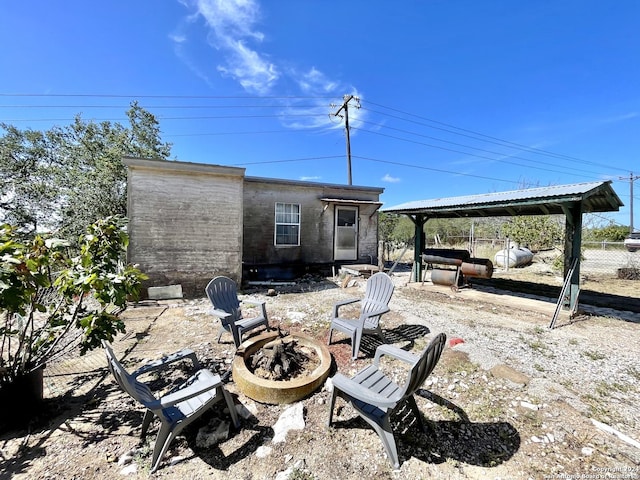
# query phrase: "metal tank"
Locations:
[[513, 257], [445, 256], [477, 267]]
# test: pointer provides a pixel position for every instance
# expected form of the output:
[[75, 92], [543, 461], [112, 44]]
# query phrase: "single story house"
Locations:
[[189, 222]]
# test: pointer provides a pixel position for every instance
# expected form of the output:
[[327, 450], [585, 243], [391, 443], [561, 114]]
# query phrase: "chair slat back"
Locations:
[[377, 293], [428, 360], [223, 294], [137, 390]]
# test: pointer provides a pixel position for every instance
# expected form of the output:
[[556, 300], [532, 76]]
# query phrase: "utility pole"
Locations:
[[632, 179], [345, 106]]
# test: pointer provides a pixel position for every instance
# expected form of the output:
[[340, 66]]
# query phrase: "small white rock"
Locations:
[[129, 470], [175, 460], [528, 405], [263, 451], [125, 459]]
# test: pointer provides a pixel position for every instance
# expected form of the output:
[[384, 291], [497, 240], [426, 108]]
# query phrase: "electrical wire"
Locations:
[[412, 118]]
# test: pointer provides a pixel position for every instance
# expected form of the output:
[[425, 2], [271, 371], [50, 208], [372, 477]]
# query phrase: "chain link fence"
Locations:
[[598, 258], [602, 263]]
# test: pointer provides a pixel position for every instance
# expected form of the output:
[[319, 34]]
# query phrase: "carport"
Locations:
[[572, 201]]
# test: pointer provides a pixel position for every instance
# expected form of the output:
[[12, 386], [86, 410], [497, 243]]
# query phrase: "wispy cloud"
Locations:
[[233, 31], [621, 118], [389, 179], [310, 179], [232, 26], [181, 53]]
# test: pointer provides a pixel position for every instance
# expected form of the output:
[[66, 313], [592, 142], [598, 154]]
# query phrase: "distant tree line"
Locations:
[[537, 232]]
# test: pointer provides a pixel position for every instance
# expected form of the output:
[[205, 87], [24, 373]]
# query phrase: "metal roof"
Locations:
[[594, 196]]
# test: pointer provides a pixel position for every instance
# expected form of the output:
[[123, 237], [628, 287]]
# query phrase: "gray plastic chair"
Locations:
[[223, 294], [375, 396], [179, 407], [374, 304]]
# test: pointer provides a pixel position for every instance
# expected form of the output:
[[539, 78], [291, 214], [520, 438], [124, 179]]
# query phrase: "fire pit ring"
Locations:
[[278, 391]]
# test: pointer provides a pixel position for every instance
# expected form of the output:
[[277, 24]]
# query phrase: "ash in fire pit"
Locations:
[[312, 368], [283, 359]]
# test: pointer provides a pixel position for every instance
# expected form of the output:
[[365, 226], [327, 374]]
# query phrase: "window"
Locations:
[[287, 224]]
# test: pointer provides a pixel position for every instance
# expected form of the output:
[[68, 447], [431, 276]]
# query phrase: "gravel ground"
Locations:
[[510, 398]]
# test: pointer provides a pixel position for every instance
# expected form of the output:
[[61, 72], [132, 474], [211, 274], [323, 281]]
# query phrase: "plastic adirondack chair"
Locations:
[[374, 304], [223, 294], [375, 396], [180, 406]]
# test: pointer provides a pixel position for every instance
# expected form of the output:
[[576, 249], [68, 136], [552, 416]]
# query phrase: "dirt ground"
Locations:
[[510, 398]]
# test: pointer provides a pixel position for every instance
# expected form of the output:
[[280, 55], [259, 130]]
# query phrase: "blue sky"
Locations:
[[456, 97]]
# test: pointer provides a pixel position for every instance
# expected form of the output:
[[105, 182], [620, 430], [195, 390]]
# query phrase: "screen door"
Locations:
[[346, 233]]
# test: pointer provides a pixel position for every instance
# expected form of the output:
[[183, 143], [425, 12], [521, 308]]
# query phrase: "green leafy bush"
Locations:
[[52, 301]]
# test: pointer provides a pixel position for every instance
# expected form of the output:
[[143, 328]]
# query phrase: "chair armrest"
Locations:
[[165, 361], [257, 303], [201, 382], [219, 313], [251, 301], [376, 312], [337, 305], [358, 392], [395, 352]]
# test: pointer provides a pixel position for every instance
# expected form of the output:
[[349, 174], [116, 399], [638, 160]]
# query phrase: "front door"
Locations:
[[346, 233]]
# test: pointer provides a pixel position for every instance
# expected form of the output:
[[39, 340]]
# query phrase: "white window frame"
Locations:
[[292, 219]]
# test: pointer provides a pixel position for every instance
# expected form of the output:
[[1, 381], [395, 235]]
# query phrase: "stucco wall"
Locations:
[[185, 222], [317, 221]]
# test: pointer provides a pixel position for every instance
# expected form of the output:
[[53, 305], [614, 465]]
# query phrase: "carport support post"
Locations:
[[419, 244], [572, 249]]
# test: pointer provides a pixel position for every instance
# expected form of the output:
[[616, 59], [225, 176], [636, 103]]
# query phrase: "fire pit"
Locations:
[[267, 390]]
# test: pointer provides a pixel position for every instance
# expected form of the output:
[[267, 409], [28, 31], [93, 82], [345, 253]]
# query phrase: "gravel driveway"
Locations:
[[509, 399]]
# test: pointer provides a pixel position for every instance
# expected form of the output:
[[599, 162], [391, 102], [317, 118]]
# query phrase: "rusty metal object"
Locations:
[[431, 259], [279, 391], [441, 276], [445, 256], [477, 267]]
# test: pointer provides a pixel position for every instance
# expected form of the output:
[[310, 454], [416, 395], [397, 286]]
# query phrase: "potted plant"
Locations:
[[53, 300]]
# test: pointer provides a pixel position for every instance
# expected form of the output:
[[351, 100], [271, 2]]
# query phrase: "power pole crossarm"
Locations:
[[345, 107]]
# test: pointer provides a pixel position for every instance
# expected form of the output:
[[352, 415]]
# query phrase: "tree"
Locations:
[[66, 178], [611, 233], [404, 231], [535, 232], [51, 301]]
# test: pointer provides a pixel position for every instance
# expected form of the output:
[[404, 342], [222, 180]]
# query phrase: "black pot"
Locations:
[[21, 399]]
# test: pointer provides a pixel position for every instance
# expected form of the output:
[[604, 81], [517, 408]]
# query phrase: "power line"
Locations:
[[462, 145], [483, 157], [160, 107], [289, 112], [218, 134], [287, 161], [431, 169], [96, 95], [483, 137], [160, 117], [467, 132]]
